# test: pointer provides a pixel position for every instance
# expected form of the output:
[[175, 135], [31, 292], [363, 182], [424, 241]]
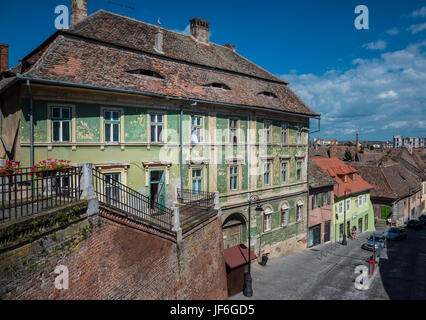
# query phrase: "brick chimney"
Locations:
[[230, 46], [357, 142], [200, 29], [4, 57], [78, 11]]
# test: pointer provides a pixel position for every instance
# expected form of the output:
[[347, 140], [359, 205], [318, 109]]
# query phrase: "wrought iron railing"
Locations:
[[24, 193], [196, 198], [112, 193]]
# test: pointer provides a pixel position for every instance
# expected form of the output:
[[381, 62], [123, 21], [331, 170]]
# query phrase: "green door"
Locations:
[[157, 186]]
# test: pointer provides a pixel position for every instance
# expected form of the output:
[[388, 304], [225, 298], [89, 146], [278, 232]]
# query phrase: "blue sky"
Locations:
[[368, 81]]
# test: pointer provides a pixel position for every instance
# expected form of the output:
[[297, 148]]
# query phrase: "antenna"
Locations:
[[122, 5]]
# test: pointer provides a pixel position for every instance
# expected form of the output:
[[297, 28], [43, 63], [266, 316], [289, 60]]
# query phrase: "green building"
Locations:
[[161, 111], [352, 205]]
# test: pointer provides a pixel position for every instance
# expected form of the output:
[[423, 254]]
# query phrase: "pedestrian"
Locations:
[[389, 222]]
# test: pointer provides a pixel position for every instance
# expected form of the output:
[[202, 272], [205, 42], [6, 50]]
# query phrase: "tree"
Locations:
[[348, 156]]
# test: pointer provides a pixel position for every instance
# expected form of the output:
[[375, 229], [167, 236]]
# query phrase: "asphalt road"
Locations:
[[326, 272]]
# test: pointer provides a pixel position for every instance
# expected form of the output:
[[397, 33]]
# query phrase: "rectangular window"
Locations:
[[329, 197], [314, 201], [233, 178], [341, 207], [267, 130], [157, 127], [299, 170], [299, 135], [356, 203], [324, 198], [112, 188], [233, 127], [61, 124], [365, 199], [348, 205], [366, 222], [197, 179], [284, 133], [360, 201], [267, 174], [341, 230], [196, 127], [112, 125], [284, 172]]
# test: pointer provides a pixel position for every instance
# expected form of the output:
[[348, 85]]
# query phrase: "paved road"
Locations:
[[327, 272]]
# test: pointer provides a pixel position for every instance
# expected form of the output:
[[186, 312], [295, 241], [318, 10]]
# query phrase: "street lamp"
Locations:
[[344, 242], [248, 289]]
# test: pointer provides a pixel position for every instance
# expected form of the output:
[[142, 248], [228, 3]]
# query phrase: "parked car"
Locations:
[[396, 234], [415, 224], [379, 240], [422, 218]]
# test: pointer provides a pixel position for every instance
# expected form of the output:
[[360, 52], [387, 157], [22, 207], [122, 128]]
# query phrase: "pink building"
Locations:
[[321, 200]]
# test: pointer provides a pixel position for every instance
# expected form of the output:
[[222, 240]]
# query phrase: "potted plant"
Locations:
[[9, 168], [49, 167]]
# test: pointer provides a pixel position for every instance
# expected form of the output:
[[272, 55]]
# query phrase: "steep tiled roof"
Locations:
[[185, 69], [337, 169], [391, 181], [318, 178]]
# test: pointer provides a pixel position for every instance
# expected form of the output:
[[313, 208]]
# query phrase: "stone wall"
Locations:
[[112, 258]]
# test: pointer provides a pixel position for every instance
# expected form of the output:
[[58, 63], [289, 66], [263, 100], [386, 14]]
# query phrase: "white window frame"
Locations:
[[341, 206], [267, 131], [348, 205], [360, 202], [269, 164], [267, 226], [233, 176], [233, 130], [112, 123], [284, 133], [284, 173], [61, 120], [299, 177], [196, 128], [162, 124], [299, 211], [284, 216]]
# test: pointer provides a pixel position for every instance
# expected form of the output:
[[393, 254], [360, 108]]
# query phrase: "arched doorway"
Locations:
[[234, 230]]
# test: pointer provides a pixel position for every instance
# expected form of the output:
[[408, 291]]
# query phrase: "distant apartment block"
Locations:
[[408, 142]]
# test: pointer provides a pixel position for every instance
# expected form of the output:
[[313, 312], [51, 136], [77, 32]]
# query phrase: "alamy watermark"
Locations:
[[62, 280], [362, 20]]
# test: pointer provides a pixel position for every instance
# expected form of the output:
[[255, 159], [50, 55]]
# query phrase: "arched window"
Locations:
[[299, 210], [284, 215], [267, 220]]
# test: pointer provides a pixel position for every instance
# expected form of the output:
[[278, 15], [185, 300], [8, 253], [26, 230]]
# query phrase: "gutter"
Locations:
[[151, 94]]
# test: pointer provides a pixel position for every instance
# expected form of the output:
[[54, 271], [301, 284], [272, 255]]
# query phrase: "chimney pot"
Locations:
[[200, 29], [4, 57], [78, 11]]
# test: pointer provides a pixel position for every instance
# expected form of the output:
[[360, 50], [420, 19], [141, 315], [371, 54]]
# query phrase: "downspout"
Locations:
[[31, 125], [307, 176], [181, 142]]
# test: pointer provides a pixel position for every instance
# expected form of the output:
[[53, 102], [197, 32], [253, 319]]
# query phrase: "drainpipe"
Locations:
[[181, 142], [307, 177], [31, 125]]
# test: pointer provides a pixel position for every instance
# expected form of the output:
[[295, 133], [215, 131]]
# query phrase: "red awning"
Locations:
[[237, 256]]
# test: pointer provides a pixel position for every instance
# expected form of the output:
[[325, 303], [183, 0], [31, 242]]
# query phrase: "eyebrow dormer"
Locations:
[[267, 94], [217, 85], [146, 72]]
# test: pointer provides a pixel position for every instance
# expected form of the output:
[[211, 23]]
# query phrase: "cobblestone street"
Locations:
[[327, 272]]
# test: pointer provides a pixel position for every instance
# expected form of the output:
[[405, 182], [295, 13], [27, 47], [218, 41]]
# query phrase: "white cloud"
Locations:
[[415, 28], [187, 30], [377, 45], [378, 97], [393, 31], [419, 13], [388, 94]]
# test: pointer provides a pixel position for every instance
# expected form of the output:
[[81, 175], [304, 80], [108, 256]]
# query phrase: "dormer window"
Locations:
[[217, 85], [346, 178], [267, 94], [146, 72], [354, 175]]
